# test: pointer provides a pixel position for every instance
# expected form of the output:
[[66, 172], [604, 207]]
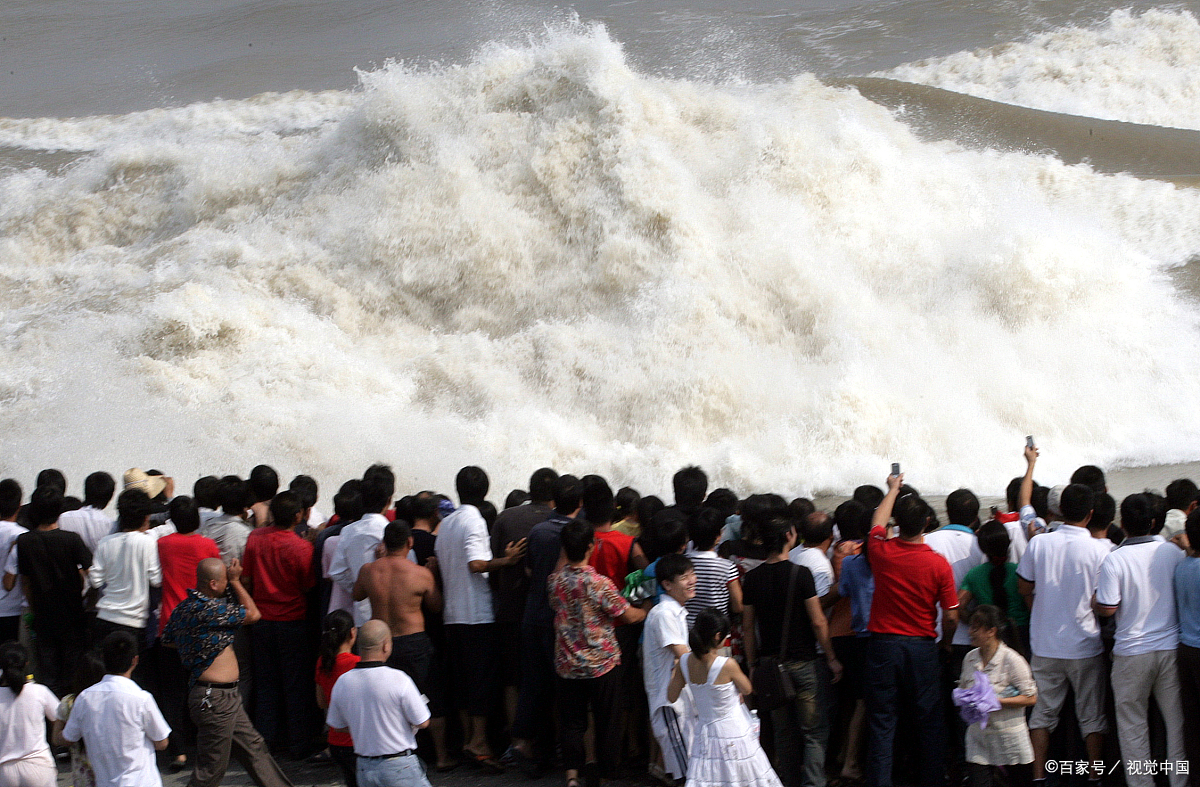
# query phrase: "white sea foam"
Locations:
[[543, 257], [1140, 68]]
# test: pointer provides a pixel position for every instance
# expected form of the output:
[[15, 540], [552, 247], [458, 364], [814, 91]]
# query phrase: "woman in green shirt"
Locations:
[[995, 582]]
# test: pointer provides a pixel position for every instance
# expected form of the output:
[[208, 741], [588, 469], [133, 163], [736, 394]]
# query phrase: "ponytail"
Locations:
[[335, 630], [13, 658], [711, 626]]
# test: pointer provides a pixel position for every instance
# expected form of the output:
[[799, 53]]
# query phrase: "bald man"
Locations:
[[382, 710], [202, 627]]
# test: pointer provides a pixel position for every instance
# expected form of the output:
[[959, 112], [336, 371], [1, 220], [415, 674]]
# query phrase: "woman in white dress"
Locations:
[[725, 751], [1005, 740], [25, 707]]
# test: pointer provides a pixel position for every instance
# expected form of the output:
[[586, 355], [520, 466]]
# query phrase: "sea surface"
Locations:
[[790, 242]]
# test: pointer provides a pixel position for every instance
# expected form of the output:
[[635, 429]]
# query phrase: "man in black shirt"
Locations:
[[53, 566], [801, 726]]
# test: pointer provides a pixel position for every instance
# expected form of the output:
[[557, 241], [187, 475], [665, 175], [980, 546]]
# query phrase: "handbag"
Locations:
[[773, 686]]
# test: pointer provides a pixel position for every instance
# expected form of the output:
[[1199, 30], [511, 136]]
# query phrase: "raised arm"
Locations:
[[1026, 493], [883, 514]]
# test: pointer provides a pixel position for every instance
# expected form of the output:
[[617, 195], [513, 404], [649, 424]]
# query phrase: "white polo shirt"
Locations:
[[461, 538], [118, 723], [125, 565], [13, 600], [1064, 567], [816, 562], [355, 549], [23, 722], [1139, 580], [380, 705], [961, 550], [90, 523], [666, 625]]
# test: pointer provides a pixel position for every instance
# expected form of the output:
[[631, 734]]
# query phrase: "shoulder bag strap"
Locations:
[[787, 611]]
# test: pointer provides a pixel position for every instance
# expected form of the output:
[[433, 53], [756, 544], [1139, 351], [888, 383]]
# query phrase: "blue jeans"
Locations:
[[407, 771], [904, 669], [802, 726]]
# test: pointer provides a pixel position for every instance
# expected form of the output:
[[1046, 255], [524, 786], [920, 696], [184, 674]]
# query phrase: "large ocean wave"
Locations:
[[541, 256]]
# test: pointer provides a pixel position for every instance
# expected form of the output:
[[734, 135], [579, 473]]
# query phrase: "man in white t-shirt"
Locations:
[[119, 723], [664, 640], [125, 567], [957, 543], [816, 531], [464, 556], [359, 540], [12, 600], [1059, 572], [1137, 584], [90, 522], [382, 710]]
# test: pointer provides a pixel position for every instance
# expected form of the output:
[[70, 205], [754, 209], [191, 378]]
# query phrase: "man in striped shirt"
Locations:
[[718, 582]]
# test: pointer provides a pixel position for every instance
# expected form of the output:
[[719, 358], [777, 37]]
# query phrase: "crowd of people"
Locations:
[[717, 641]]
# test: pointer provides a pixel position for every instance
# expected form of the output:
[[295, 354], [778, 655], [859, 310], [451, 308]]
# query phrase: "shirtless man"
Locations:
[[202, 627], [400, 592]]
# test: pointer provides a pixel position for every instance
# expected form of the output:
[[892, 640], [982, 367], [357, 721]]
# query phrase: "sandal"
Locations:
[[484, 761]]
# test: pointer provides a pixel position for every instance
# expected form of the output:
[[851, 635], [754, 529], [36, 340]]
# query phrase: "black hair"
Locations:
[[264, 482], [576, 537], [1076, 502], [205, 492], [424, 508], [869, 495], [988, 616], [666, 533], [71, 503], [816, 528], [348, 506], [542, 485], [1090, 476], [994, 542], [625, 503], [757, 510], [704, 528], [724, 500], [234, 495], [690, 485], [1137, 514], [10, 497], [911, 514], [710, 628], [1012, 492], [117, 651], [774, 534], [133, 506], [515, 498], [13, 660], [306, 487], [396, 535], [1104, 512], [1192, 528], [853, 520], [1161, 506], [98, 489], [1181, 493], [647, 507], [52, 477], [472, 484], [672, 566], [184, 514], [566, 497], [488, 511], [1040, 500], [285, 507], [962, 507], [377, 490], [378, 470], [800, 508], [45, 504], [335, 630], [597, 498]]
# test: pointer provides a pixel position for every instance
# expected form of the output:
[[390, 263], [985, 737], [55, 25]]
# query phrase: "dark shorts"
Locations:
[[413, 654], [472, 666]]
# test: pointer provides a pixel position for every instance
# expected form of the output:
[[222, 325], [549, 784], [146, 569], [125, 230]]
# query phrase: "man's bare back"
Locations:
[[398, 589]]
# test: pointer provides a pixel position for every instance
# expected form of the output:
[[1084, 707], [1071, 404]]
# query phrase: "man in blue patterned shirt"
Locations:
[[202, 627]]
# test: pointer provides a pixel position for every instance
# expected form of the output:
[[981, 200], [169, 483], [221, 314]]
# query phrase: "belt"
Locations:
[[899, 638], [208, 684], [405, 753]]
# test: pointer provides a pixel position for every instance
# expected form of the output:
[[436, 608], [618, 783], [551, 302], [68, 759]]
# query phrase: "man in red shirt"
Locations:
[[911, 581], [278, 572]]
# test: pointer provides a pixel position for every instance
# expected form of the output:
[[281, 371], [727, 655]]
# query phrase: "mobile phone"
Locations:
[[1029, 441], [895, 468]]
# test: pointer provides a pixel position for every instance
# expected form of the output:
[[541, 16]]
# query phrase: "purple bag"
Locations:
[[975, 703]]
